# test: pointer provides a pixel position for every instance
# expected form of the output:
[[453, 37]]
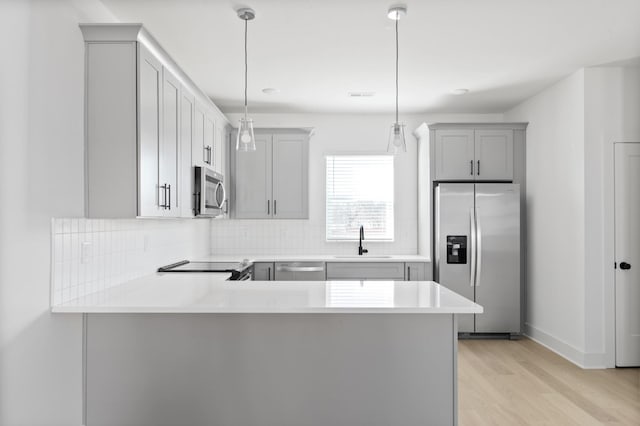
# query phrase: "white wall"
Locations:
[[41, 176], [573, 126], [336, 134], [555, 213], [612, 114]]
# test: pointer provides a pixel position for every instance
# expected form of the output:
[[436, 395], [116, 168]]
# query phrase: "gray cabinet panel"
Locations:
[[365, 271], [494, 154], [272, 182], [253, 181], [417, 271], [263, 271], [454, 155], [290, 176]]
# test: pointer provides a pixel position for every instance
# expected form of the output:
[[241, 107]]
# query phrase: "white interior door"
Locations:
[[627, 246]]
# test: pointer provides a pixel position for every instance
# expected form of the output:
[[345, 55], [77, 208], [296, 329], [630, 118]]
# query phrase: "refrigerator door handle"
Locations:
[[478, 249], [472, 220]]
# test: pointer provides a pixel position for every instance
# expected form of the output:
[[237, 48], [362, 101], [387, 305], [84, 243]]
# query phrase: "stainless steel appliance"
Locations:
[[300, 271], [210, 195], [240, 271], [477, 251]]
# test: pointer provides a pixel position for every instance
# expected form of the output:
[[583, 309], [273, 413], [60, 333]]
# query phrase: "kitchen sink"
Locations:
[[347, 256]]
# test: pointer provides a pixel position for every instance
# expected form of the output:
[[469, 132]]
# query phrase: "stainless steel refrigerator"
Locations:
[[477, 251]]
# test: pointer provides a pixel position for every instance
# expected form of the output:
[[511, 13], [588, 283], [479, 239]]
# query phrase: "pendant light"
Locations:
[[396, 134], [246, 140]]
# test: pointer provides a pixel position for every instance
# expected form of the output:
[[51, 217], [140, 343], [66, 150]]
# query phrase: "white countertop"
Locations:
[[210, 293], [314, 258]]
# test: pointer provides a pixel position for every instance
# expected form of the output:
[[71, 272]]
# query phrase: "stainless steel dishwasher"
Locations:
[[300, 271]]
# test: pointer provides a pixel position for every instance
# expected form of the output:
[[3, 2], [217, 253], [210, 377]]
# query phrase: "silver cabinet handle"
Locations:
[[479, 254], [299, 269], [275, 208], [169, 197], [473, 246], [164, 204], [478, 167]]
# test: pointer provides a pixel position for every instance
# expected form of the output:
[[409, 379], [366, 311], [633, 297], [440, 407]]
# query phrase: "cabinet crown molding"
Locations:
[[478, 126]]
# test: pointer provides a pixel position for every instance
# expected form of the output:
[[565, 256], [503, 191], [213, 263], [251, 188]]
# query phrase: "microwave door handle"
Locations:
[[224, 194]]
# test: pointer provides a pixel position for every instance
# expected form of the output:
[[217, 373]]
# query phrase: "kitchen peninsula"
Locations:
[[193, 349]]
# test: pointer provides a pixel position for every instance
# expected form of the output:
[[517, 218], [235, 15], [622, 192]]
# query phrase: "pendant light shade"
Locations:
[[245, 140], [397, 142]]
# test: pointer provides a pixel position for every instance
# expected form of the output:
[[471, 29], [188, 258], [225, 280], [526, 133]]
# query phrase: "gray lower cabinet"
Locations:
[[263, 271], [272, 181], [365, 271], [300, 271], [417, 271]]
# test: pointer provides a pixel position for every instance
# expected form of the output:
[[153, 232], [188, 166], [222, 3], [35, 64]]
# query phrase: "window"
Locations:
[[360, 192]]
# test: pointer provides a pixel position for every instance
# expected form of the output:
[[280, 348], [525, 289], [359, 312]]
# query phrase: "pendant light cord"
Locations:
[[245, 68], [397, 66]]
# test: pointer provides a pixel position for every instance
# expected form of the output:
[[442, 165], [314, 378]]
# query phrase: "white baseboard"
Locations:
[[581, 359]]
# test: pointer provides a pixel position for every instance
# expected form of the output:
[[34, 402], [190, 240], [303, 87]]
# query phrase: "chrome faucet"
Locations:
[[361, 250]]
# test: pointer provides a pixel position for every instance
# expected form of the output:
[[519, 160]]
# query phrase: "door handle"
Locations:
[[275, 211], [473, 247], [471, 166], [164, 204], [268, 207], [408, 273], [625, 266], [169, 198], [479, 254], [478, 167]]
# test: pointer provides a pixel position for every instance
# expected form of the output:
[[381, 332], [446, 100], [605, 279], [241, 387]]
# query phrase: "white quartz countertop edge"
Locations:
[[211, 293]]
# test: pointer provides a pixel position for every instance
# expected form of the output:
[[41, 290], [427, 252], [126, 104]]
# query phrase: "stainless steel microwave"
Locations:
[[210, 196]]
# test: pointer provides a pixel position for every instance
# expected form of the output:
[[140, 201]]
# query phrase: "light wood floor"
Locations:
[[502, 382]]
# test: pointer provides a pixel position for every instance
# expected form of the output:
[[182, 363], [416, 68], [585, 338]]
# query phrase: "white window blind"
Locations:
[[359, 192]]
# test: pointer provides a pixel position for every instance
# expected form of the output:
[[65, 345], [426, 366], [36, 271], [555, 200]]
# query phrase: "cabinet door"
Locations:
[[209, 138], [149, 115], [263, 271], [187, 121], [198, 152], [494, 154], [454, 155], [365, 271], [290, 176], [415, 271], [170, 143], [253, 180]]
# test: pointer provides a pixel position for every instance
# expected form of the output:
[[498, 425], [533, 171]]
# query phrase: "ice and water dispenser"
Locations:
[[457, 249]]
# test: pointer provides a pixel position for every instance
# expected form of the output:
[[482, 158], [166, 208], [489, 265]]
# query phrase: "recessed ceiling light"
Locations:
[[270, 90], [459, 92], [361, 94]]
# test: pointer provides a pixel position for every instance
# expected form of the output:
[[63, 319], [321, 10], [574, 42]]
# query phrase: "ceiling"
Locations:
[[316, 51]]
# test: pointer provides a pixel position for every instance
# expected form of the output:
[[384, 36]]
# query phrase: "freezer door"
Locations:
[[453, 225], [498, 257]]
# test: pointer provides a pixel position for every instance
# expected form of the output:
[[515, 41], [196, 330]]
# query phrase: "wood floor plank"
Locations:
[[504, 382]]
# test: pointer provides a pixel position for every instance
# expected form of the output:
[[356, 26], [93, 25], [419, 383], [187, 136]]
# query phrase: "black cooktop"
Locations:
[[186, 266]]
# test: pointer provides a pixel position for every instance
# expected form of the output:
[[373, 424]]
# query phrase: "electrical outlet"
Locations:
[[86, 248]]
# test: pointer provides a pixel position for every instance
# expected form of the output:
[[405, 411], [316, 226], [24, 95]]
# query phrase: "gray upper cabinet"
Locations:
[[272, 181], [142, 126], [494, 154], [252, 179], [473, 155], [454, 154]]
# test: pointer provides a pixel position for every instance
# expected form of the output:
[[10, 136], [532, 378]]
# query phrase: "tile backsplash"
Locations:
[[89, 255], [246, 237]]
